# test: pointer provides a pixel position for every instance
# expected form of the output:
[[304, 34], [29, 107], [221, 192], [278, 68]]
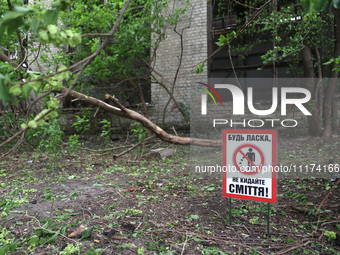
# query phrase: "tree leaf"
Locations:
[[10, 16], [15, 90], [336, 4], [2, 31], [222, 41], [324, 5], [4, 90], [231, 35], [316, 6], [12, 247], [22, 9], [4, 249], [33, 124], [199, 68], [86, 233], [51, 17], [56, 4], [26, 89], [33, 240], [14, 25], [35, 24]]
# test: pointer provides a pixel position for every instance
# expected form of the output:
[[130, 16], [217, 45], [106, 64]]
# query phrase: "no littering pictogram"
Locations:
[[248, 159]]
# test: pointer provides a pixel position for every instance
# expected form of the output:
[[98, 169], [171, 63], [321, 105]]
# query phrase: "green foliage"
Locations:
[[193, 217], [8, 125], [133, 212], [289, 29], [44, 20], [46, 137], [139, 130], [107, 129], [31, 20], [93, 251], [15, 201], [86, 233], [62, 4], [74, 194], [316, 6], [336, 61], [83, 122], [213, 251], [199, 68], [6, 244], [4, 90], [48, 195], [73, 142], [69, 249], [330, 235], [52, 34], [140, 30], [225, 40], [141, 251]]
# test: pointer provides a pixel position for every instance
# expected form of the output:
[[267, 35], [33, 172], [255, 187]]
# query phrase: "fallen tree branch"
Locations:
[[329, 193], [159, 132], [133, 147], [293, 248], [133, 115]]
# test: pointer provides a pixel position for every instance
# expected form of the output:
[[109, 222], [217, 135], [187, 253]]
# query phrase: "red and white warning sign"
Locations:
[[249, 160]]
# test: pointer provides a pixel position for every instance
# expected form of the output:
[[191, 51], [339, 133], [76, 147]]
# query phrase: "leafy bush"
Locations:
[[46, 138]]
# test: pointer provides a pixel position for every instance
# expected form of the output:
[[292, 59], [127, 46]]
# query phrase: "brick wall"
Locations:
[[195, 50], [41, 65]]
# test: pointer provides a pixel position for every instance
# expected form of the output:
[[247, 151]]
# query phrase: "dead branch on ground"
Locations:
[[326, 197]]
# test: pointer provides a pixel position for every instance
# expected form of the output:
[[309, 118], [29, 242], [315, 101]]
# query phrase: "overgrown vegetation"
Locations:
[[90, 204]]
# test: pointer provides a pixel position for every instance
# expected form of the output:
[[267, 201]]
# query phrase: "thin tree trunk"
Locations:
[[142, 99], [330, 90], [314, 123]]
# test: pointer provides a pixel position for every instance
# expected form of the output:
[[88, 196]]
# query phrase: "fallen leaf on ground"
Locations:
[[129, 190], [77, 231]]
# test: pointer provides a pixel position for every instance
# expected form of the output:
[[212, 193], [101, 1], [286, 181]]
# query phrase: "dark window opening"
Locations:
[[227, 16]]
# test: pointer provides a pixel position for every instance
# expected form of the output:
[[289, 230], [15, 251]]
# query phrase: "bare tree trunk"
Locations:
[[142, 99], [335, 112], [319, 93], [314, 123], [330, 90]]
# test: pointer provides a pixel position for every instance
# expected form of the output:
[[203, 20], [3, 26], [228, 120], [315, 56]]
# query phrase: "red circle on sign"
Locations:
[[239, 150]]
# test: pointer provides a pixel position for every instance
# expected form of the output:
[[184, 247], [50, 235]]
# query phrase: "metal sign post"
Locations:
[[268, 220], [229, 211]]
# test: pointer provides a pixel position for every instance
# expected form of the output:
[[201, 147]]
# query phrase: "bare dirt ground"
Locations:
[[87, 203]]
